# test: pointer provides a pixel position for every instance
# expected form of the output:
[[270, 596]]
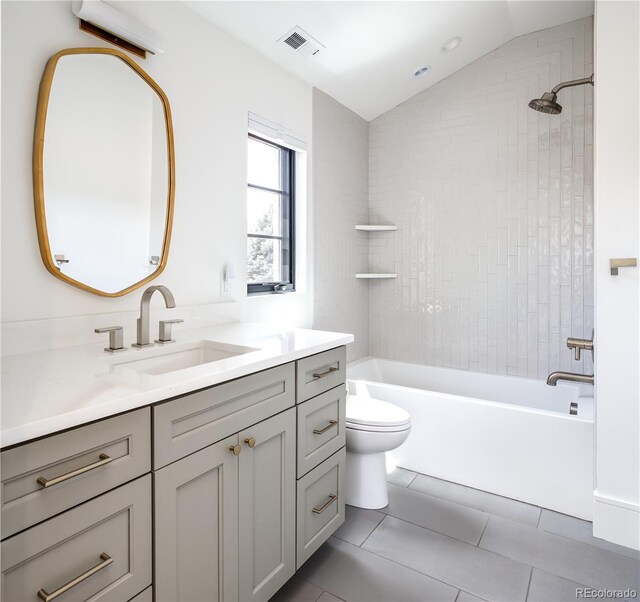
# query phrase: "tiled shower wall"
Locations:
[[494, 204], [340, 185]]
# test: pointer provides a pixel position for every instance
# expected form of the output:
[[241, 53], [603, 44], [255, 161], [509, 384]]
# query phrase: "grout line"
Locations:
[[405, 567], [433, 530], [372, 532], [529, 584], [483, 530]]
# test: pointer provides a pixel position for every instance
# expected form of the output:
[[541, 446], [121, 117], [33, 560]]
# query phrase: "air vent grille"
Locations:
[[299, 40], [295, 40]]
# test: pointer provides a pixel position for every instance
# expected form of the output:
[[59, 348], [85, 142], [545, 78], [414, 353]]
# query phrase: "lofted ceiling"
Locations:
[[373, 48]]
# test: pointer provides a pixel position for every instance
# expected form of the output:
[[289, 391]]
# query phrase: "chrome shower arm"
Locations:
[[574, 82]]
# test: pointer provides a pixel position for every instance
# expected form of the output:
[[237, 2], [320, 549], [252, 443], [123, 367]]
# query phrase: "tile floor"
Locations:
[[439, 541]]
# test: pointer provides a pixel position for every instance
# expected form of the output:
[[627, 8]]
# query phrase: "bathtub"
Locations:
[[506, 435]]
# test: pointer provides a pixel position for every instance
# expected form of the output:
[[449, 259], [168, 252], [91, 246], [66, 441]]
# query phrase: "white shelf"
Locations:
[[375, 228], [376, 276]]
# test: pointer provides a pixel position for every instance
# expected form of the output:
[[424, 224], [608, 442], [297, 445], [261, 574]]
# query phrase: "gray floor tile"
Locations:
[[477, 571], [327, 597], [580, 530], [401, 476], [436, 514], [546, 587], [561, 556], [481, 500], [358, 524], [297, 590], [465, 597], [356, 575]]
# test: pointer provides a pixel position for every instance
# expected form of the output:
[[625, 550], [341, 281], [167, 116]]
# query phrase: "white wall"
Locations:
[[617, 170], [212, 81], [494, 204], [340, 150]]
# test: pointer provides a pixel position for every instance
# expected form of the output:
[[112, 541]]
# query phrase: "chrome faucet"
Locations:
[[554, 377], [143, 321]]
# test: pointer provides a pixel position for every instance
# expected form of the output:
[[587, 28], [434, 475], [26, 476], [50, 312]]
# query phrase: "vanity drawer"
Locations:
[[321, 372], [320, 505], [106, 540], [321, 428], [48, 476], [187, 424]]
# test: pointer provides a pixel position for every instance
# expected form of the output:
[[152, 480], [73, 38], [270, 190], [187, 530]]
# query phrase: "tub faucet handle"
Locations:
[[578, 345]]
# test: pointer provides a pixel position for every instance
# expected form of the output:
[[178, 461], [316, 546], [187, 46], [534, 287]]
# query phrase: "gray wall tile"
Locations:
[[491, 200], [340, 191]]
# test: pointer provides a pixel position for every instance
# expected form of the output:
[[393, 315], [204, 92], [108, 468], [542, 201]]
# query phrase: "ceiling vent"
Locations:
[[300, 41]]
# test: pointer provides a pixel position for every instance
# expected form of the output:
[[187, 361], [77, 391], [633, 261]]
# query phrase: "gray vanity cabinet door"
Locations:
[[267, 506], [196, 526]]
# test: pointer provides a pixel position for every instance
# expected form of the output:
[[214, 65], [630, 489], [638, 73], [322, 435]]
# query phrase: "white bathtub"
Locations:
[[510, 436]]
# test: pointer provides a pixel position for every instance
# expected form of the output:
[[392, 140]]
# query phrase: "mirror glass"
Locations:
[[106, 174]]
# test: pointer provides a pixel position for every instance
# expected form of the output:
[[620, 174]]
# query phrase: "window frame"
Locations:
[[288, 179]]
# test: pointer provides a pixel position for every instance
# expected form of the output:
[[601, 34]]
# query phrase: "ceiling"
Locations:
[[373, 48]]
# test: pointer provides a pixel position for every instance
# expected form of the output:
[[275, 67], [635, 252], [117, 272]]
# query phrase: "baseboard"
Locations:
[[617, 521]]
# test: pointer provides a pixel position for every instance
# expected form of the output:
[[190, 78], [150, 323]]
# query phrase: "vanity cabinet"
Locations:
[[100, 550], [239, 483], [225, 517], [196, 526]]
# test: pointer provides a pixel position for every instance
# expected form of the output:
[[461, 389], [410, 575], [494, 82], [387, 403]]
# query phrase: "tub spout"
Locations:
[[554, 377]]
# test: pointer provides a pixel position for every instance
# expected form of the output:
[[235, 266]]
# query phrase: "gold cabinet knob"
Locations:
[[235, 449], [250, 441]]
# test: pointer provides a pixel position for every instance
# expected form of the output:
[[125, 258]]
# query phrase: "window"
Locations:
[[270, 217]]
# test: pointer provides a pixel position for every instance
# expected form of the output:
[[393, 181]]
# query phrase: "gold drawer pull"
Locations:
[[331, 424], [104, 459], [250, 441], [332, 498], [106, 561], [235, 449], [326, 373]]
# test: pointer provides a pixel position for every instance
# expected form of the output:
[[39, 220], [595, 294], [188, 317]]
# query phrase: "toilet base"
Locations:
[[366, 482]]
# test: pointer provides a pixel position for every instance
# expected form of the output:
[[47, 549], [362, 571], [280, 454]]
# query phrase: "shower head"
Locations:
[[547, 103]]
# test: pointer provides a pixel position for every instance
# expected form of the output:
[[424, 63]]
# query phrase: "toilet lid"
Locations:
[[374, 412]]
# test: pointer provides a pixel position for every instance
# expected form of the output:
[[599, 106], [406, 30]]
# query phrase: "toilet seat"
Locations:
[[375, 415]]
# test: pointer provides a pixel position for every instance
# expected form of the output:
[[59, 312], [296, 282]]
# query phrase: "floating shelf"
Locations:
[[376, 276], [375, 228]]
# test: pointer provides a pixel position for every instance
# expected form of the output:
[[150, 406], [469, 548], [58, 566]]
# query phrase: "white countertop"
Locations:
[[49, 391]]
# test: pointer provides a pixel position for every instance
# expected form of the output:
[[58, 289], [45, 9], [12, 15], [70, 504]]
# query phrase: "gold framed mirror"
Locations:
[[103, 172]]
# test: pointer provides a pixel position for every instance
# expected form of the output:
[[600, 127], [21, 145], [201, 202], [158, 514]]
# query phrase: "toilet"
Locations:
[[373, 428]]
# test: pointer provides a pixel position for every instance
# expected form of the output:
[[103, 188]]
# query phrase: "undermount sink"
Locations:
[[180, 356]]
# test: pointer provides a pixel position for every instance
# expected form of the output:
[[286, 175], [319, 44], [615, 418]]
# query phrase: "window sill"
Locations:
[[273, 294]]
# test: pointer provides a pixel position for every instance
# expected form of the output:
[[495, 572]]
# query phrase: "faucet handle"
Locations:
[[164, 336], [578, 345], [116, 337]]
